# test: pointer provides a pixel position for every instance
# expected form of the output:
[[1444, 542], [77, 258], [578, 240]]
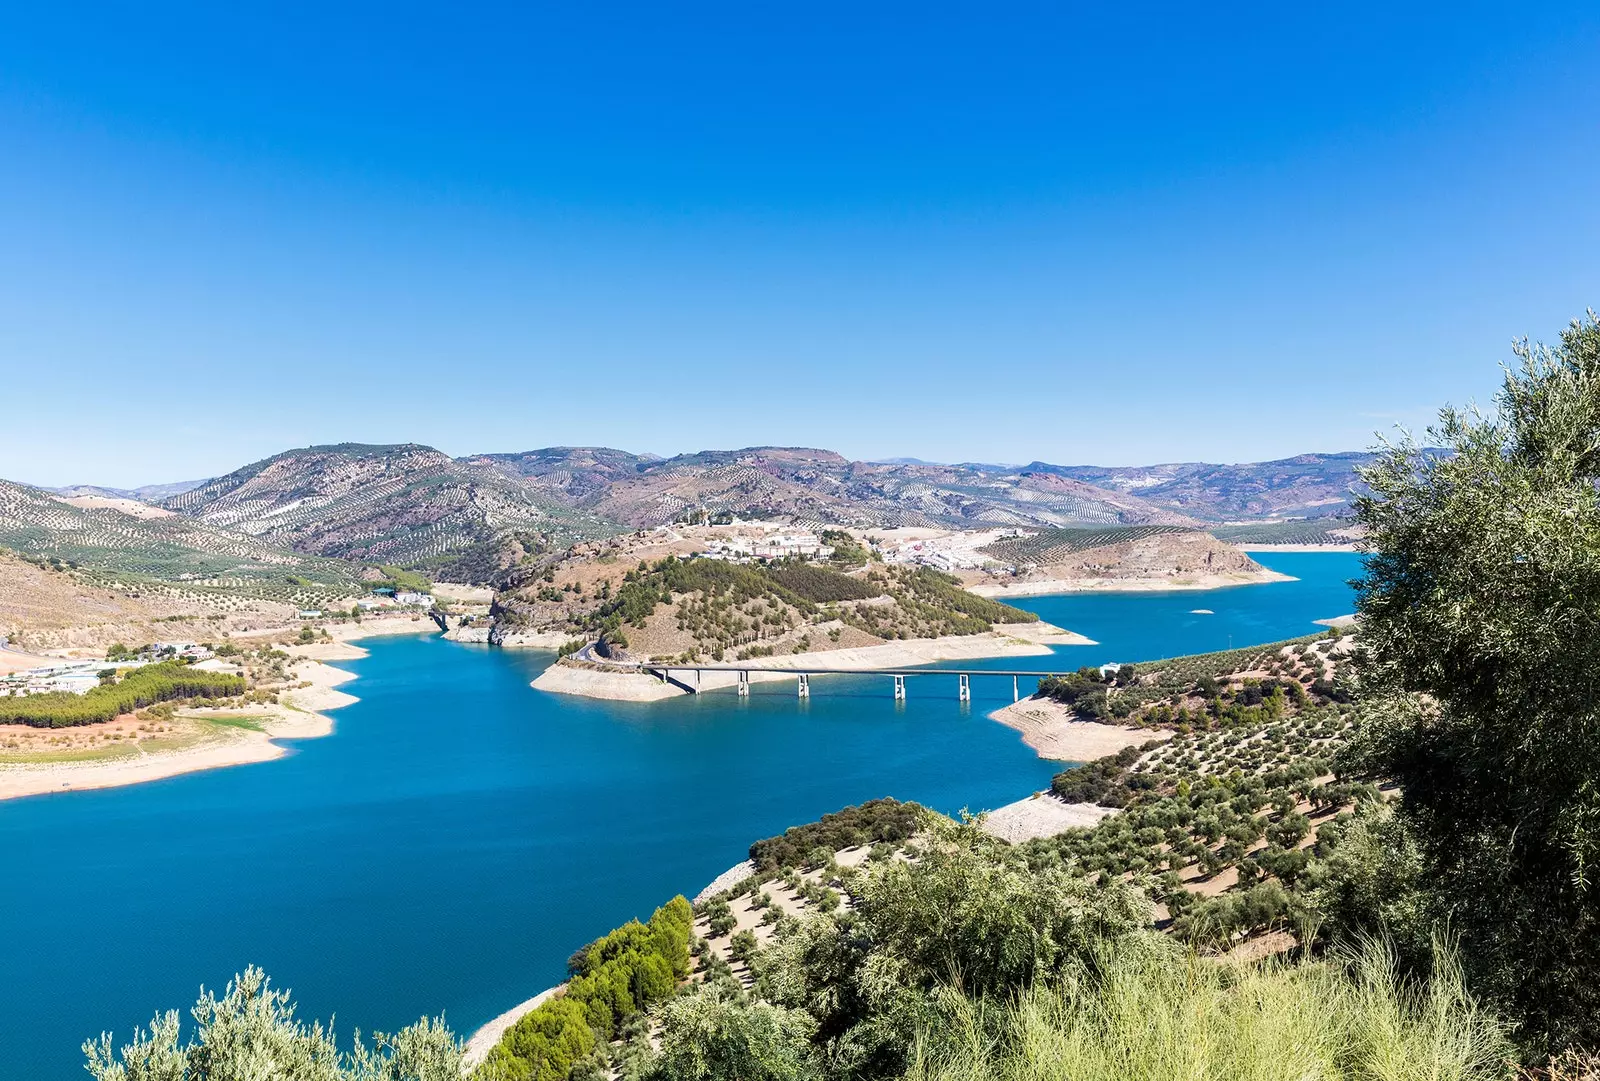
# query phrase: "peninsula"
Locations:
[[703, 601]]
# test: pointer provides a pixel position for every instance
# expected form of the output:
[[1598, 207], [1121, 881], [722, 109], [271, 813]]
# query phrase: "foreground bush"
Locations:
[[1480, 611], [967, 914], [1152, 1020], [251, 1033]]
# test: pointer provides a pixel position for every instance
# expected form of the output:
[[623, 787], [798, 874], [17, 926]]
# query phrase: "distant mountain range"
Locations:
[[150, 493], [1305, 486], [413, 505]]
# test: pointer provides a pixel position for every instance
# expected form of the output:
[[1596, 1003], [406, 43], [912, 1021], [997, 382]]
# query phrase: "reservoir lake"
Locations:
[[460, 833]]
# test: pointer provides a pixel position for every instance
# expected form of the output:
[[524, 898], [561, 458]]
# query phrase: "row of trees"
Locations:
[[139, 688], [614, 979]]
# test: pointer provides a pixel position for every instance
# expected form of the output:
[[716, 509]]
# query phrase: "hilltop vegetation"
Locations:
[[1480, 610], [714, 608], [881, 821]]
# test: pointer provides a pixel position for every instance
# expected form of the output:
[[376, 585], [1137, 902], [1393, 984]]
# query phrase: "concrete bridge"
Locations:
[[686, 677]]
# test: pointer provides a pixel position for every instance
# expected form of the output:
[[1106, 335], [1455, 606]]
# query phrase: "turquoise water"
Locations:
[[460, 833]]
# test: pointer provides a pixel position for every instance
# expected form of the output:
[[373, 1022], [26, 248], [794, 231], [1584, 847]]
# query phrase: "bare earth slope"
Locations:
[[43, 609]]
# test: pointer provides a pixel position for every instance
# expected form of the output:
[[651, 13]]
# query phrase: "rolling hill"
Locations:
[[159, 564], [403, 504], [817, 486], [149, 544]]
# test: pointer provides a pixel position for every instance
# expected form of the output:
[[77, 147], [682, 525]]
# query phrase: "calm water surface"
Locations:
[[460, 833]]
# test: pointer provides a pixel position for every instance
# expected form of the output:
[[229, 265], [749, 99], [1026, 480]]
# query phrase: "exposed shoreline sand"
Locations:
[[300, 719], [302, 716], [1006, 640], [1040, 815], [1046, 586], [1055, 733]]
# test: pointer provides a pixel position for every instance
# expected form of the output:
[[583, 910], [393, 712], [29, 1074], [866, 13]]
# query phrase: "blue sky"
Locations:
[[984, 232]]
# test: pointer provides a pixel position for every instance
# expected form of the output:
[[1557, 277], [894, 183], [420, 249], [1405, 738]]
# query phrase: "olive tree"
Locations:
[[1480, 617], [714, 1033], [968, 918], [251, 1033]]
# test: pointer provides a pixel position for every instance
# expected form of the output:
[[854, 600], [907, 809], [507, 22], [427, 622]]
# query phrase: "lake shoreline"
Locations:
[[302, 715]]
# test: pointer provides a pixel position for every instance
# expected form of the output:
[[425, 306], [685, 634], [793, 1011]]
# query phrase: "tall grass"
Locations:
[[1351, 1019]]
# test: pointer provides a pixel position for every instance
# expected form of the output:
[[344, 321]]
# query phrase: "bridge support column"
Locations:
[[805, 686], [899, 688], [1014, 696], [744, 684], [966, 688]]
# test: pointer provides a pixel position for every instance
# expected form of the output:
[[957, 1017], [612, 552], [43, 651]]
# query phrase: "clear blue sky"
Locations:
[[988, 232]]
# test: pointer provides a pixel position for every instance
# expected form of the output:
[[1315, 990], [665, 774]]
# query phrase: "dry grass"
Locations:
[[1201, 1019]]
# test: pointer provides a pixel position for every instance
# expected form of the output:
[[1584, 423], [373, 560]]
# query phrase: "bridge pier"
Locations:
[[966, 688], [899, 688], [804, 689], [744, 684], [1014, 697]]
